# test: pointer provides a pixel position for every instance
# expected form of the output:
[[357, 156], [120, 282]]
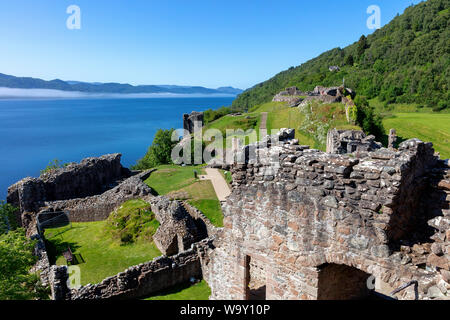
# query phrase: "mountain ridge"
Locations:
[[12, 82]]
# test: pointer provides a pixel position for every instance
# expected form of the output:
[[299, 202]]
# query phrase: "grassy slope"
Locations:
[[243, 122], [169, 178], [102, 256], [425, 126], [198, 291]]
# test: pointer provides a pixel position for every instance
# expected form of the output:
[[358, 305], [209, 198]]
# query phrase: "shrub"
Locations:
[[159, 152], [368, 120], [7, 217], [16, 259]]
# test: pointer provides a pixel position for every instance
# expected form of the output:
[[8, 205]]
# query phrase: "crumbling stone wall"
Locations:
[[349, 141], [319, 208], [193, 121], [137, 281], [204, 225], [290, 95], [99, 207], [90, 177], [177, 230]]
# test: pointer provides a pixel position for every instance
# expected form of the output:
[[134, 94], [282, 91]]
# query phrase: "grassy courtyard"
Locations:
[[99, 256], [168, 178], [180, 183], [198, 291]]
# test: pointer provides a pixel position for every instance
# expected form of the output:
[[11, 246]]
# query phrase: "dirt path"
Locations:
[[263, 124], [220, 185]]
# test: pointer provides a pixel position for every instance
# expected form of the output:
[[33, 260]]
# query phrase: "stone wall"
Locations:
[[201, 221], [349, 141], [177, 230], [90, 177], [138, 281], [99, 207], [318, 208]]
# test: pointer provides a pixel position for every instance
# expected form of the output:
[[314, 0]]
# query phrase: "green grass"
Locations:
[[280, 115], [200, 190], [211, 208], [227, 176], [198, 291], [428, 127], [170, 178], [244, 122], [99, 255], [383, 109]]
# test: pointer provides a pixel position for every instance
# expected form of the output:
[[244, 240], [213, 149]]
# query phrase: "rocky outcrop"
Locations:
[[322, 216]]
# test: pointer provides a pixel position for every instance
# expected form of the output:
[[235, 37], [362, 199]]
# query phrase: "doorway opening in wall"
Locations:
[[341, 282], [255, 279]]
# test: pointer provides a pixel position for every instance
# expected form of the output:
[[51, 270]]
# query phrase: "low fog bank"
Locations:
[[14, 93]]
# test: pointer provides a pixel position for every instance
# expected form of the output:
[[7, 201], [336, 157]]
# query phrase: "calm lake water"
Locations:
[[34, 132]]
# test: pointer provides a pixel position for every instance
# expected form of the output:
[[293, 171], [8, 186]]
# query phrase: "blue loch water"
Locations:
[[34, 132]]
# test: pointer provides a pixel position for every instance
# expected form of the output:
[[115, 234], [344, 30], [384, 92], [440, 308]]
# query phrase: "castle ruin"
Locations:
[[335, 226], [354, 223]]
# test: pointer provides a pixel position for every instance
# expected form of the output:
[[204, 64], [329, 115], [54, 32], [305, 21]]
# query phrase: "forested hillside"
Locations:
[[406, 61]]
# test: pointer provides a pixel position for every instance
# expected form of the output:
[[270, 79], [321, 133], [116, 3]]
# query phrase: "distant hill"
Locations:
[[406, 61], [8, 81]]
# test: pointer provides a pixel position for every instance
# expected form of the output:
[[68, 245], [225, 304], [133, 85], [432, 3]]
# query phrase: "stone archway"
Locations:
[[341, 282]]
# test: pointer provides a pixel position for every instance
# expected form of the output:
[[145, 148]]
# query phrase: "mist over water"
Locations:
[[34, 132]]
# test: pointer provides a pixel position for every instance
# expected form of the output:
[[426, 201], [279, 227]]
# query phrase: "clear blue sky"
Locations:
[[185, 42]]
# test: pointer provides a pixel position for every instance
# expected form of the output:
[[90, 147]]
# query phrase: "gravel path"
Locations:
[[220, 185]]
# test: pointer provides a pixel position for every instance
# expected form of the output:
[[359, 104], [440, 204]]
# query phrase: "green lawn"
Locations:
[[198, 291], [171, 180], [429, 127], [99, 255], [210, 208]]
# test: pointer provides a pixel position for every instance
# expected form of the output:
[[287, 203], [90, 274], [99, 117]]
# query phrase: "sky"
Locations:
[[208, 43]]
